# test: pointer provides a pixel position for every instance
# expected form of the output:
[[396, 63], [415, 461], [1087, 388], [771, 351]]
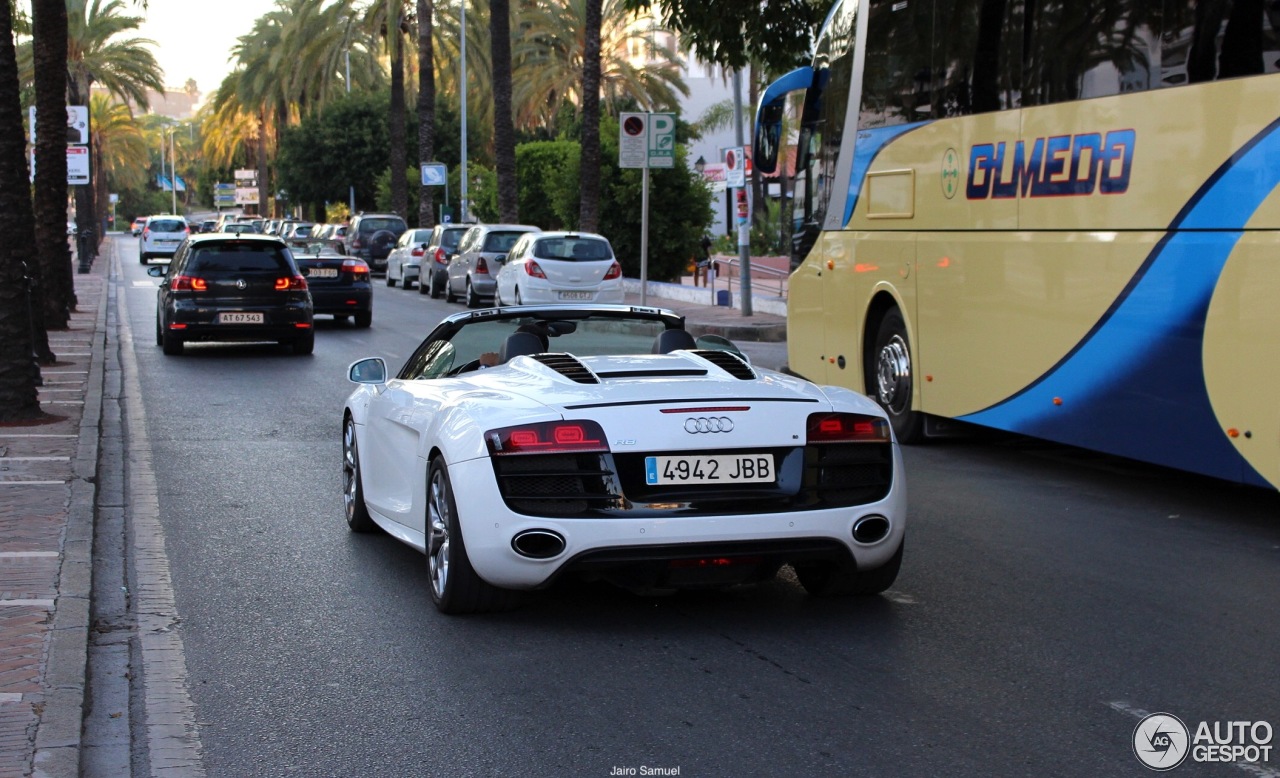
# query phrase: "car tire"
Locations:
[[473, 299], [364, 319], [455, 586], [390, 281], [171, 343], [839, 579], [159, 332], [449, 296], [518, 301], [143, 258], [889, 376], [358, 518], [304, 345], [428, 287]]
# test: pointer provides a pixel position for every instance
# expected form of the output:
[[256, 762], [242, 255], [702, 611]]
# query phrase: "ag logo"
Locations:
[[950, 173], [1160, 741]]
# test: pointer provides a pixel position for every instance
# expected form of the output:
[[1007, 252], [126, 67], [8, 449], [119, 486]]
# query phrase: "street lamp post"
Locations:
[[351, 189], [173, 173], [462, 171]]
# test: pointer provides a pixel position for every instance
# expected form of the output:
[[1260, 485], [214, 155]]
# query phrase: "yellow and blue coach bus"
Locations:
[[1053, 217]]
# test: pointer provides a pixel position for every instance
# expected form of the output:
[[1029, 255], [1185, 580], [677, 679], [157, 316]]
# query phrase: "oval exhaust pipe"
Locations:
[[870, 529], [538, 544]]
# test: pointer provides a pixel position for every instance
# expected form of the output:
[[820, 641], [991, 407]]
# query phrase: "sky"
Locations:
[[194, 40]]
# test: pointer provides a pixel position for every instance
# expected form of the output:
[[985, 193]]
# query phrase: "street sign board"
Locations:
[[246, 175], [77, 124], [735, 168], [714, 175], [77, 165], [246, 195], [434, 174], [633, 140], [662, 140]]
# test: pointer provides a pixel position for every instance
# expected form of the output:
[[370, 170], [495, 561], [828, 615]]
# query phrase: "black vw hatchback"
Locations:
[[226, 287]]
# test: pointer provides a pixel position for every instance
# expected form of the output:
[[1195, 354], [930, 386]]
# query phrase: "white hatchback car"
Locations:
[[161, 237], [404, 263], [560, 267]]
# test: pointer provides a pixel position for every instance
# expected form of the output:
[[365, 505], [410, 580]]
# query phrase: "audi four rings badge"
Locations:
[[708, 424]]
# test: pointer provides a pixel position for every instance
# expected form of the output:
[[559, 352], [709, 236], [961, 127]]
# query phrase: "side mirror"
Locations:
[[368, 371], [158, 271]]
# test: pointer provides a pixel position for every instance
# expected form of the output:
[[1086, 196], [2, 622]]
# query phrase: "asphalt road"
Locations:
[[1047, 599]]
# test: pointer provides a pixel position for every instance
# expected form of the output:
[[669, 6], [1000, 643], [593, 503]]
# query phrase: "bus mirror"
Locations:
[[768, 136]]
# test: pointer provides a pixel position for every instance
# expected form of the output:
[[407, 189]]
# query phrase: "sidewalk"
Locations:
[[47, 489], [702, 318]]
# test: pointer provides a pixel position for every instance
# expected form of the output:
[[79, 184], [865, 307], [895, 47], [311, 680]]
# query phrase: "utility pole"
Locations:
[[744, 230], [352, 188], [462, 171]]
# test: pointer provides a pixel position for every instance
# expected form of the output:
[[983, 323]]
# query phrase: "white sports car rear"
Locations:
[[605, 442]]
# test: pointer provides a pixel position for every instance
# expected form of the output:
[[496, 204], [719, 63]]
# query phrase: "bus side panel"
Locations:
[[807, 314], [869, 265], [998, 310], [1133, 161], [1242, 351]]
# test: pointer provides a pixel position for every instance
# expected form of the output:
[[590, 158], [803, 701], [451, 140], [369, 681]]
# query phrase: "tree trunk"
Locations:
[[426, 107], [86, 213], [50, 268], [264, 191], [589, 168], [395, 125], [504, 131], [19, 373]]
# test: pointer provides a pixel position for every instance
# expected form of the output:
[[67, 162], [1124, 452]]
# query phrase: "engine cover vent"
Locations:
[[729, 362], [568, 366]]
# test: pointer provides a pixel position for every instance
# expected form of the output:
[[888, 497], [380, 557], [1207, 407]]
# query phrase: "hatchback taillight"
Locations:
[[146, 232], [615, 271], [441, 257], [481, 265], [532, 269], [291, 284], [418, 251], [188, 284]]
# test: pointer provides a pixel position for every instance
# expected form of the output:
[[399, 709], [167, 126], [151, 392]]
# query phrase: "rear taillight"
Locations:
[[615, 271], [188, 284], [355, 243], [355, 267], [846, 428], [532, 269], [481, 265], [146, 232], [441, 257], [291, 284], [418, 251], [548, 437]]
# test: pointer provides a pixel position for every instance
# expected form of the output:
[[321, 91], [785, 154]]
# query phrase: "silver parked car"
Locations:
[[405, 260], [481, 252]]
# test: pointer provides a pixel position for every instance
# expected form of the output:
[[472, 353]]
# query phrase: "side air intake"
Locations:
[[568, 366], [729, 362]]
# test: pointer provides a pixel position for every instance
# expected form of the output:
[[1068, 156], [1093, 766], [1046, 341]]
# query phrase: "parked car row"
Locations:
[[244, 286], [509, 264]]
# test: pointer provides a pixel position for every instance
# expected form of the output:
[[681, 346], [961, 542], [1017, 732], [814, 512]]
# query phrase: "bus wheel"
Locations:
[[889, 377]]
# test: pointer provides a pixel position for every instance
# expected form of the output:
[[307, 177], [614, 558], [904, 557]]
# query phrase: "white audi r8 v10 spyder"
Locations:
[[520, 445]]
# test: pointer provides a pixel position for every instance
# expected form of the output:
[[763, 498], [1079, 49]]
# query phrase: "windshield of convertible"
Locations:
[[590, 336]]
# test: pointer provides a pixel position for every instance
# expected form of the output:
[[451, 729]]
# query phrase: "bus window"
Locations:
[[977, 63], [1083, 49], [1208, 40], [896, 79]]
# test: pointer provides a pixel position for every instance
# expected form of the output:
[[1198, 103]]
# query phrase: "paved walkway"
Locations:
[[47, 474]]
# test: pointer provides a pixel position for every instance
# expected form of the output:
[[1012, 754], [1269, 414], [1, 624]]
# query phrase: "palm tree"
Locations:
[[19, 373], [589, 167], [504, 132], [118, 143], [388, 18], [551, 57]]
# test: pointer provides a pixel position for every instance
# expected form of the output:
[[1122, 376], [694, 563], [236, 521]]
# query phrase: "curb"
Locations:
[[58, 733]]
